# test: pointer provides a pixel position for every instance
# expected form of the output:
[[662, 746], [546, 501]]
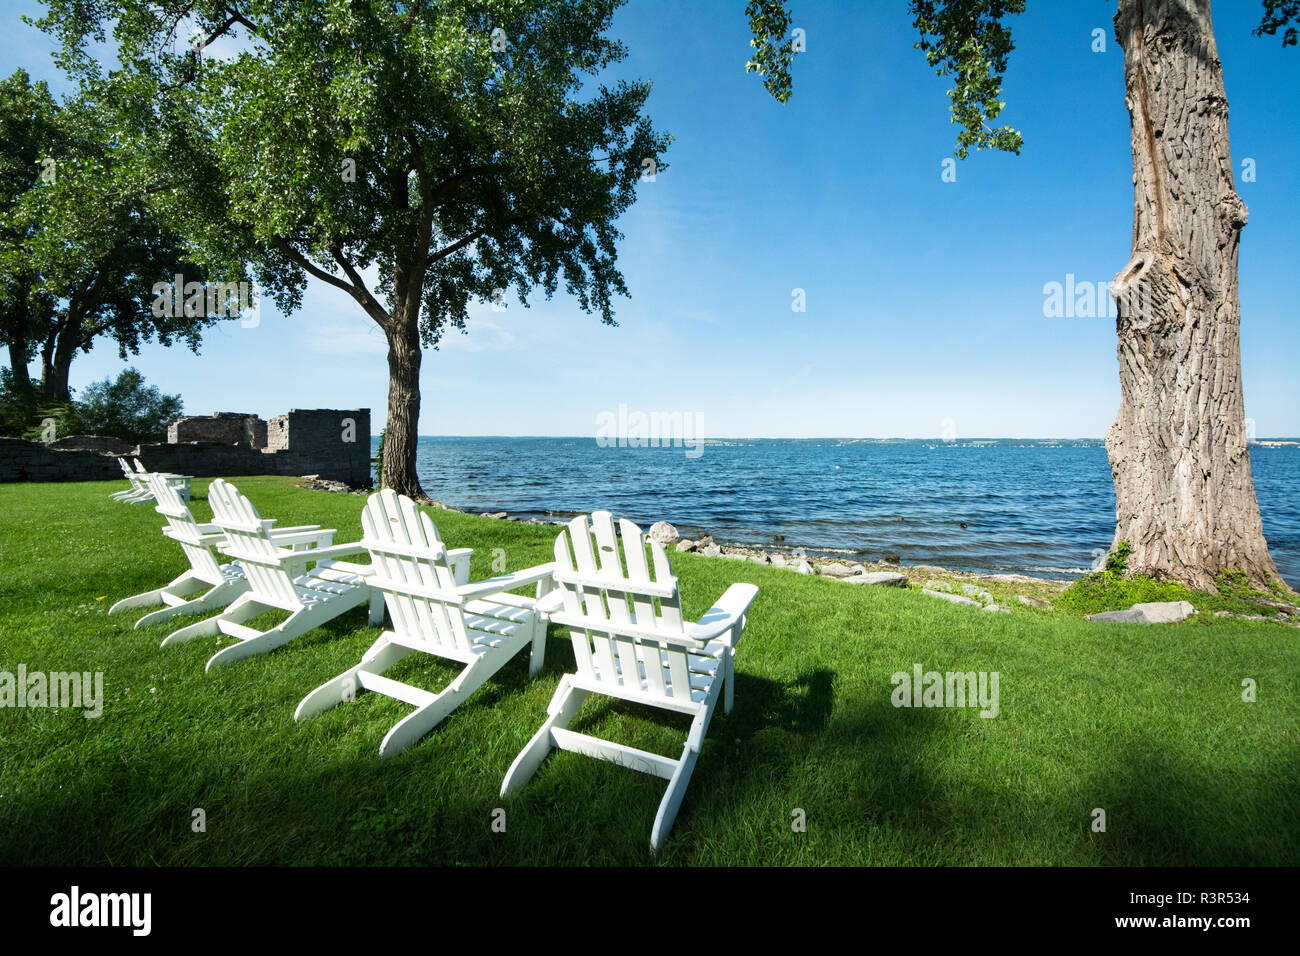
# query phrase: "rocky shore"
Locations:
[[995, 593]]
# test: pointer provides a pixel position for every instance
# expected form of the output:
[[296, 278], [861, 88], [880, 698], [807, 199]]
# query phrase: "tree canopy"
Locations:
[[459, 149], [81, 244]]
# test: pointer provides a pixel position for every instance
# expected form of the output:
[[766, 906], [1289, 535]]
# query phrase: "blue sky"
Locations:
[[924, 298]]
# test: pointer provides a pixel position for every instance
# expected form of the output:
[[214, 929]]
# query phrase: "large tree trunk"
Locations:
[[56, 365], [18, 363], [1184, 497], [402, 429]]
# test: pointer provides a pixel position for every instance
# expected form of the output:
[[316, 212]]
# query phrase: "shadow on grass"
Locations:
[[877, 785], [921, 786]]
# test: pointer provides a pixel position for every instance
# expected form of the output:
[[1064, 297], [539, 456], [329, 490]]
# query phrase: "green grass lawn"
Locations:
[[1147, 723]]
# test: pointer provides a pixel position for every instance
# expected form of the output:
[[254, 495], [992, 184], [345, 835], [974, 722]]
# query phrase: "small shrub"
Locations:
[[127, 408], [1117, 560], [1107, 591], [1233, 584]]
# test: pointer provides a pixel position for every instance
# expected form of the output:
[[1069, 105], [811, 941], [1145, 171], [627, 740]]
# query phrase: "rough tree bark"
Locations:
[[402, 428], [1184, 497]]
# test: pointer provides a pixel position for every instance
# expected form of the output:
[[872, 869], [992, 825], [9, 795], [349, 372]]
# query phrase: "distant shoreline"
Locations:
[[1281, 442], [1039, 507]]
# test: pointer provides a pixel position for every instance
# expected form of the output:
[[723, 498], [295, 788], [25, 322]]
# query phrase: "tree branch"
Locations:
[[454, 247], [358, 292], [362, 294]]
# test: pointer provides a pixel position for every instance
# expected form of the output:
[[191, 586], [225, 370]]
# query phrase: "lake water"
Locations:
[[1033, 507]]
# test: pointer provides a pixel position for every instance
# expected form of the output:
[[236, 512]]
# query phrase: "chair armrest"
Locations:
[[296, 529], [458, 558], [323, 537], [216, 536], [725, 614], [507, 582], [327, 554], [550, 602], [565, 619]]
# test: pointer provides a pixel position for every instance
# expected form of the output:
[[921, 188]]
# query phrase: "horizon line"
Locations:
[[944, 441]]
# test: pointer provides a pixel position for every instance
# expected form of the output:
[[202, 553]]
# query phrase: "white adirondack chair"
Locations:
[[278, 580], [139, 491], [630, 642], [180, 482], [434, 611], [220, 583]]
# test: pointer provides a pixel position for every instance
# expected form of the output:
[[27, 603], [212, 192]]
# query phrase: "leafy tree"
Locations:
[[1185, 500], [27, 130], [81, 249], [127, 408], [452, 145]]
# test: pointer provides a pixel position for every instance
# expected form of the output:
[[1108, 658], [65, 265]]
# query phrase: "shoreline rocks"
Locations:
[[664, 533], [317, 483], [888, 579], [949, 596], [888, 571]]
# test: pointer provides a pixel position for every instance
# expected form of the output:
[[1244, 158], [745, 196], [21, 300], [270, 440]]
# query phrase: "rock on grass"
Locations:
[[1157, 612]]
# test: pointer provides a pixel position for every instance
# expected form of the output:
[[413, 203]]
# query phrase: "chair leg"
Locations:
[[382, 655], [376, 608], [244, 607], [214, 599], [729, 688], [297, 624], [537, 657], [672, 800], [564, 707], [414, 726], [177, 586]]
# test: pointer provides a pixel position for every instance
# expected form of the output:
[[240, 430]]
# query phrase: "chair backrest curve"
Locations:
[[623, 611]]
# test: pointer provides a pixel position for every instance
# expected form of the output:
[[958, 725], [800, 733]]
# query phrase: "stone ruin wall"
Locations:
[[331, 443]]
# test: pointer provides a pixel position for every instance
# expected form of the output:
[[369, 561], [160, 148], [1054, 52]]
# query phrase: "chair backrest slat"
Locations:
[[136, 478], [612, 598], [408, 553], [184, 529], [249, 542]]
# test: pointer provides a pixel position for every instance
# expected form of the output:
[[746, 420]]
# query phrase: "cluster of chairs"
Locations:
[[138, 478], [610, 585]]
